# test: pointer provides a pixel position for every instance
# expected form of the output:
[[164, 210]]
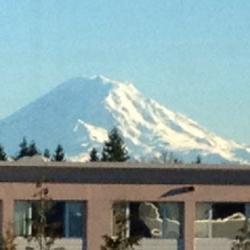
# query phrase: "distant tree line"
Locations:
[[169, 158], [30, 149], [113, 150]]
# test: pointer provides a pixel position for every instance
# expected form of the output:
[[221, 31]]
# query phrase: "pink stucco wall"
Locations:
[[101, 197]]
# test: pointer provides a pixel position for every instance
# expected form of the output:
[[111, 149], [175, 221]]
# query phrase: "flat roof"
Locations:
[[39, 162], [124, 173]]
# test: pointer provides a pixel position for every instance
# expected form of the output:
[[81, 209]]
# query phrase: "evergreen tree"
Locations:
[[46, 153], [59, 154], [24, 149], [114, 149], [3, 155], [27, 150], [198, 160], [93, 155], [32, 149]]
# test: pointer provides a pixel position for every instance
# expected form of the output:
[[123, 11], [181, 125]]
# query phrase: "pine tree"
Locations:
[[93, 155], [27, 150], [32, 149], [114, 149], [24, 149], [3, 155], [198, 160], [59, 154], [46, 153]]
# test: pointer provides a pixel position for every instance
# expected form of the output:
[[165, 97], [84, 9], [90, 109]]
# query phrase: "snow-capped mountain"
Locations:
[[80, 112]]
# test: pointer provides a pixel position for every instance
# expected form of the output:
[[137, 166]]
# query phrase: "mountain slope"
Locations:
[[79, 112]]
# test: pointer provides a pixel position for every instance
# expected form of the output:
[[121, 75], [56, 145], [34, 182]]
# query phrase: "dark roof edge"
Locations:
[[126, 174]]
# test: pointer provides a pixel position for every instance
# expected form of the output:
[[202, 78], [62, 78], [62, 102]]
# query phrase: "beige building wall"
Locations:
[[101, 197]]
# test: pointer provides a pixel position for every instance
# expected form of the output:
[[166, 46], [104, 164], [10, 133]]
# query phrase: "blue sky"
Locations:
[[191, 55]]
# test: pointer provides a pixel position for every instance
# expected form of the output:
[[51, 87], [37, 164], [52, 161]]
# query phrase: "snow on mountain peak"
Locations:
[[96, 134], [80, 112]]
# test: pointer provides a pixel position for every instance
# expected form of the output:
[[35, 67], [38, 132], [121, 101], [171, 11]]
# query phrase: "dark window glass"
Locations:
[[63, 219], [223, 210], [150, 219]]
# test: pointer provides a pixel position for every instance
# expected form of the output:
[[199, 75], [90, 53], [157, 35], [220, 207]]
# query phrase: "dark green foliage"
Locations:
[[27, 150], [177, 161], [32, 149], [46, 153], [3, 155], [198, 160], [59, 154], [114, 149], [23, 149], [94, 155]]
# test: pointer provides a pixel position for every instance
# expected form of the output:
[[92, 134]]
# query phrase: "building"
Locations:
[[173, 206]]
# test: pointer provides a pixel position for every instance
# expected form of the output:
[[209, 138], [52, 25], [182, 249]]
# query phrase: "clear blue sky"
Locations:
[[191, 55]]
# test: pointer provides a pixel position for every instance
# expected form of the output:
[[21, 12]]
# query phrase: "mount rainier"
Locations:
[[79, 113]]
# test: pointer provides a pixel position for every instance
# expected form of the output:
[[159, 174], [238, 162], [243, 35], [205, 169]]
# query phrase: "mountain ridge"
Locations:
[[79, 113]]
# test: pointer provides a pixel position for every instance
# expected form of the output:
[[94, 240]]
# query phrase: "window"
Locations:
[[220, 220], [66, 218], [23, 217], [150, 219]]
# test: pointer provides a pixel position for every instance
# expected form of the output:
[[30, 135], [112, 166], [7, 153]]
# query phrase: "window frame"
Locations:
[[181, 215], [66, 223]]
